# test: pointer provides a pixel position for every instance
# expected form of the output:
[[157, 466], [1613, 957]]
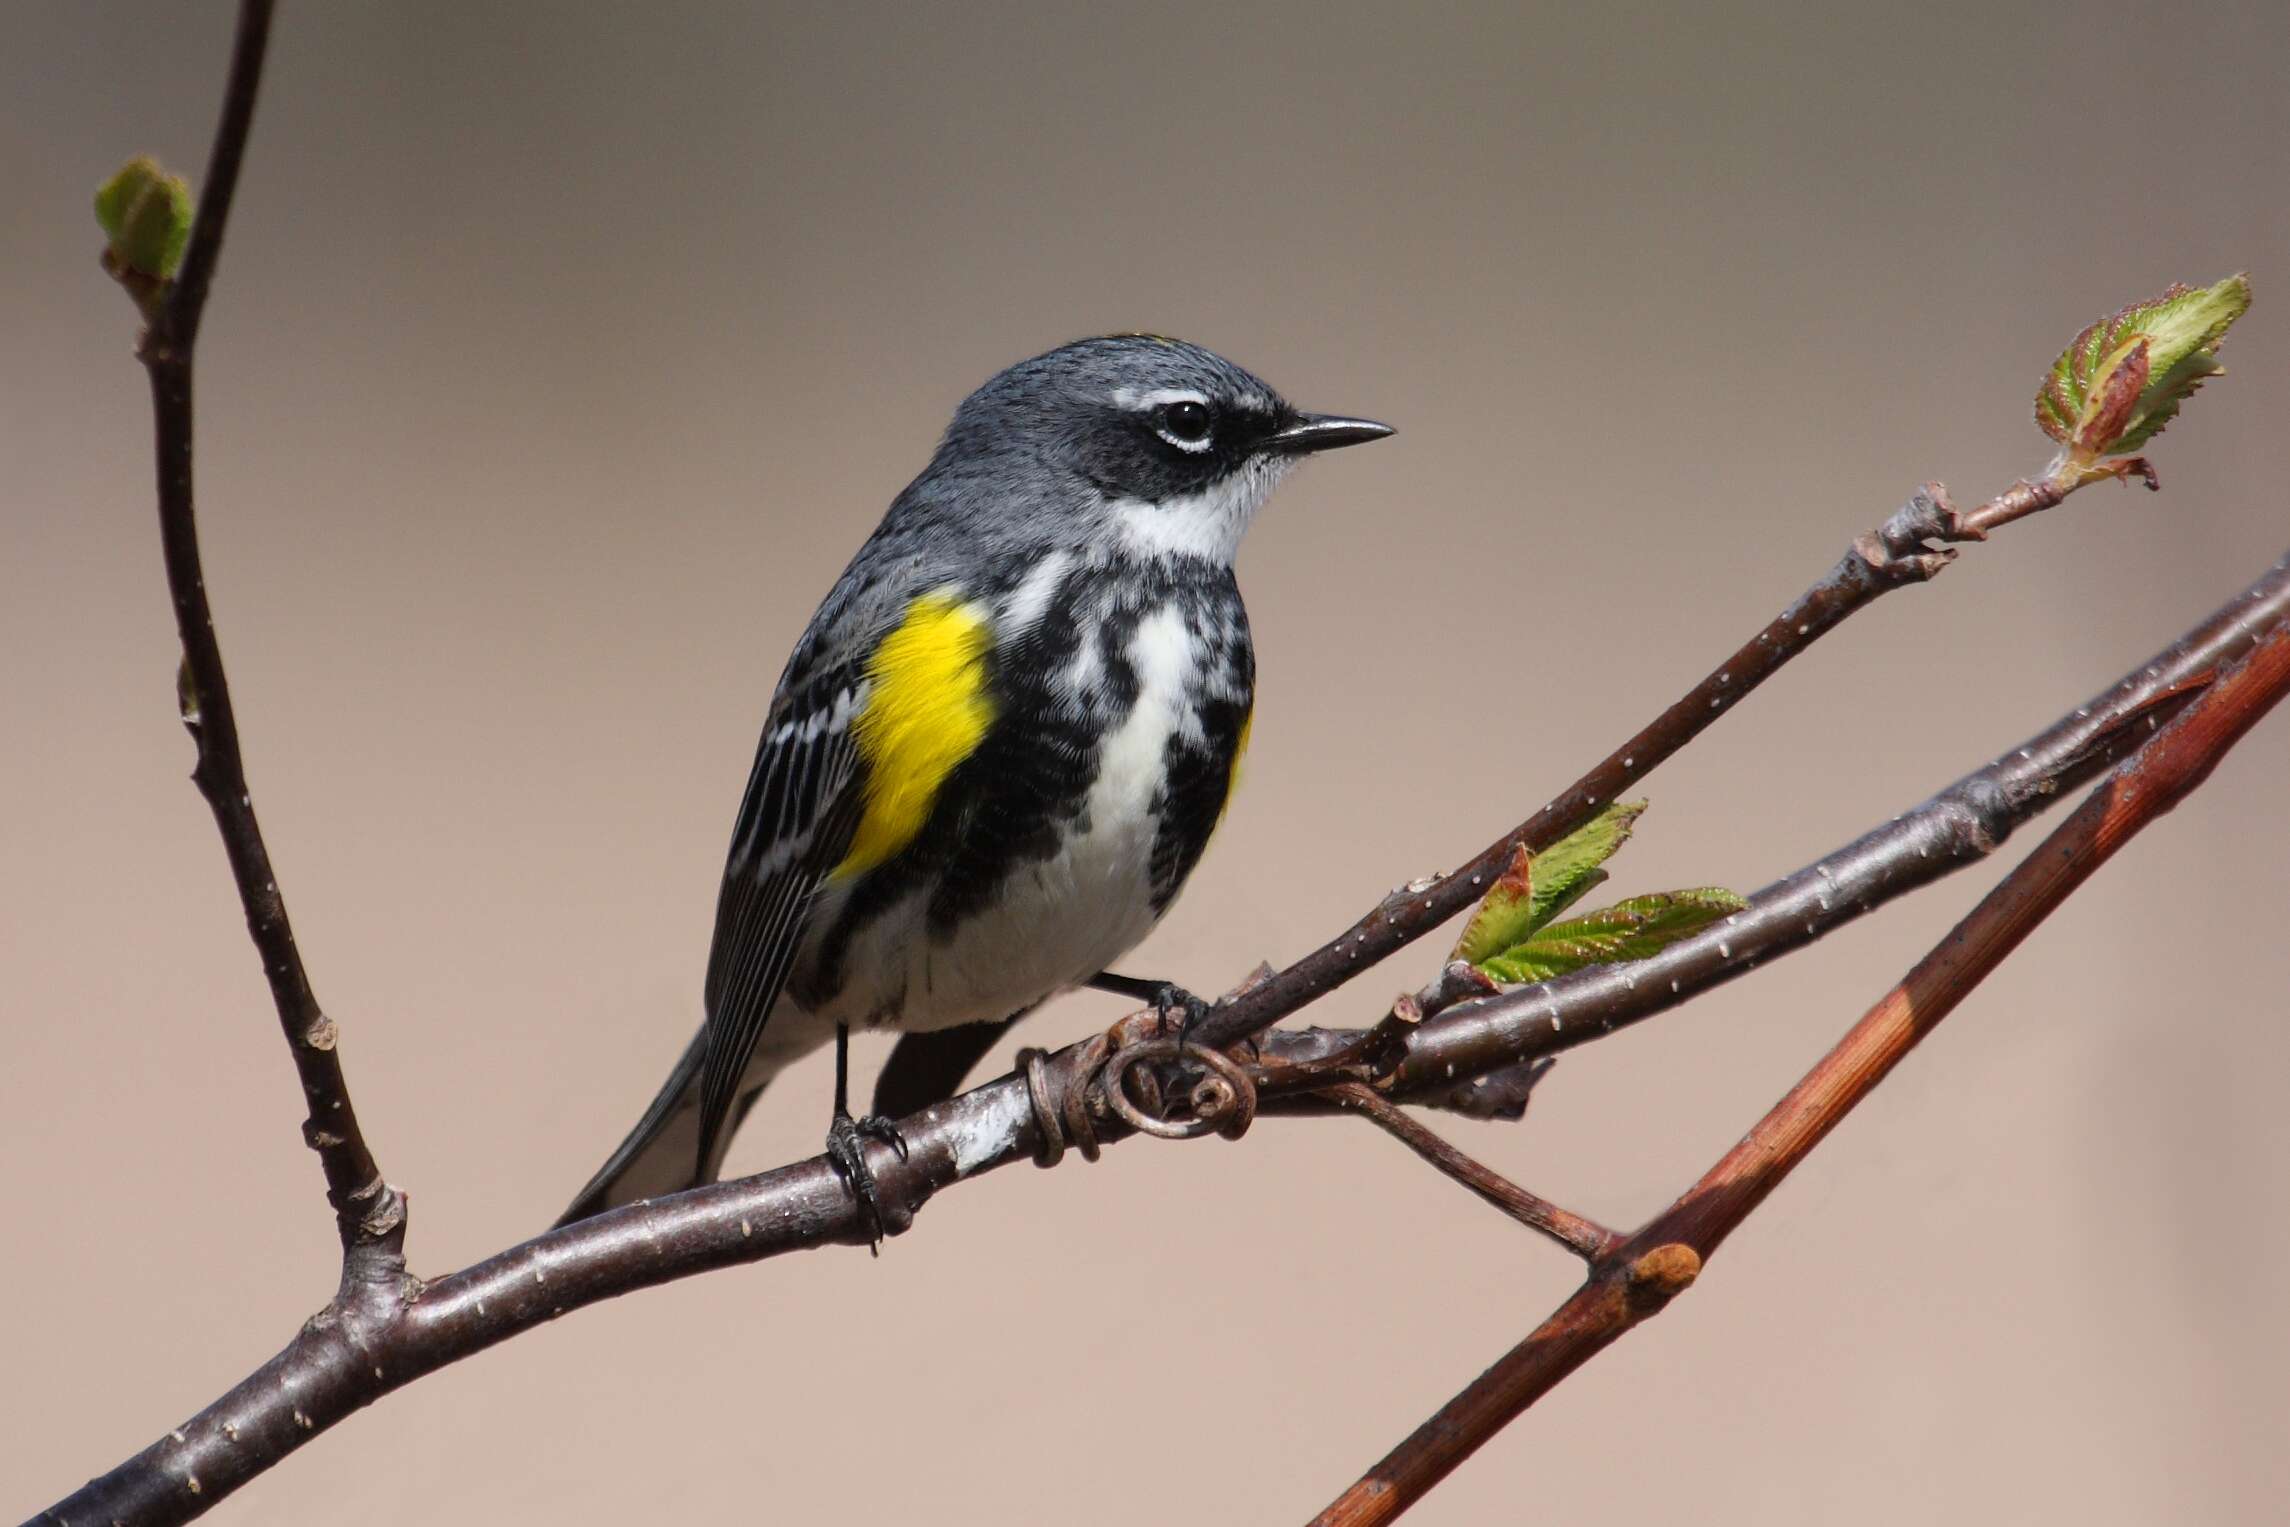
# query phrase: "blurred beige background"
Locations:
[[562, 354]]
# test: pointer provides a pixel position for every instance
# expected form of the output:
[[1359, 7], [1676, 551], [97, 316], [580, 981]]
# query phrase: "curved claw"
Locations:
[[847, 1155], [1169, 998], [875, 1127]]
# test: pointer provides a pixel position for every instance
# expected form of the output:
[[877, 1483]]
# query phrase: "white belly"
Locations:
[[1057, 921]]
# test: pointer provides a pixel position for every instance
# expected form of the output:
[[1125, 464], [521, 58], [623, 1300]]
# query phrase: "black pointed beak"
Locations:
[[1323, 432]]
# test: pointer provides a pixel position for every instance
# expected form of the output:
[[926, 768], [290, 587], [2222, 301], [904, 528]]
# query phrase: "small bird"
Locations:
[[999, 748]]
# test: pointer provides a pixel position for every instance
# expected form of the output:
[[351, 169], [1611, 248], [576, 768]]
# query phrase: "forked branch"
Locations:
[[348, 1359], [1585, 1238], [1896, 554], [1639, 1277], [1455, 1047]]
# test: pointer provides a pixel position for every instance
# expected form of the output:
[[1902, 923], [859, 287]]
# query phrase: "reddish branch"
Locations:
[[1958, 826], [1585, 1238], [351, 1356], [1961, 825], [385, 1329], [1638, 1278]]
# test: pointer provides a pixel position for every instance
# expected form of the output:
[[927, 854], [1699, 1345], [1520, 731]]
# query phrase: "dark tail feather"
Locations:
[[930, 1068], [660, 1155]]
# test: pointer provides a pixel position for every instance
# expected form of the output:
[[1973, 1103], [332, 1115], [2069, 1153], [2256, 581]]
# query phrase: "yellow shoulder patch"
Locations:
[[927, 709]]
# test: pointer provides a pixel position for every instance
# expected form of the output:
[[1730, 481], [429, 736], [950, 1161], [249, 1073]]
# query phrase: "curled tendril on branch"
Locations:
[[1156, 1084], [1220, 1100]]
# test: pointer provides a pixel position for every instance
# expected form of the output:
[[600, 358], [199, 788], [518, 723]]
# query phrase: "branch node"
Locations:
[[187, 698], [1660, 1276], [1585, 1238], [1383, 1049], [1457, 981], [387, 1214], [1899, 550]]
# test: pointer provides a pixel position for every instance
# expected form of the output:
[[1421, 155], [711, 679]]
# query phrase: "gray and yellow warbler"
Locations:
[[999, 748]]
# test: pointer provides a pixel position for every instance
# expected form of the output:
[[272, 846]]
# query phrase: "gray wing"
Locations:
[[795, 825]]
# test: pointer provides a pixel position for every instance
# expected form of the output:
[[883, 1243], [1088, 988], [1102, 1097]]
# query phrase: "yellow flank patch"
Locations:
[[927, 709], [1239, 752]]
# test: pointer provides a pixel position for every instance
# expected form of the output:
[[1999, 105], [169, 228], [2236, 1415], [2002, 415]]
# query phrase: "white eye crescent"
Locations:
[[1185, 424], [1179, 415]]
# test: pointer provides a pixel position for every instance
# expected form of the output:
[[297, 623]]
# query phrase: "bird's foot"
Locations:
[[1170, 998], [846, 1153]]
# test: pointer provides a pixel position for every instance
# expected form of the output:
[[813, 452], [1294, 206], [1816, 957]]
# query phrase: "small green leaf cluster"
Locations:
[[145, 213], [2124, 377], [1512, 938]]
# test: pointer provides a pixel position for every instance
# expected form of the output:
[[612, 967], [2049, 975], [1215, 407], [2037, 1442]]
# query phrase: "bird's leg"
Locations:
[[845, 1151], [1167, 997]]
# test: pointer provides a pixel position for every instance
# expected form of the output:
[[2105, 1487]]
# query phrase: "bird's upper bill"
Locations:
[[1324, 432]]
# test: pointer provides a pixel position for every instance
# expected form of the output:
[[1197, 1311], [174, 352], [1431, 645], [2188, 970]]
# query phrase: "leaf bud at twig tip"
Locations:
[[2107, 412], [145, 214], [2124, 377]]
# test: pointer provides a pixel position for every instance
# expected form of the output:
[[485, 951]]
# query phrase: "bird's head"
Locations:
[[1175, 445]]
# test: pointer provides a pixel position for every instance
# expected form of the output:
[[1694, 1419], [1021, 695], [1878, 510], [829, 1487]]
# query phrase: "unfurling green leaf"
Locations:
[[2123, 378], [1538, 887], [1628, 930], [2107, 412], [146, 215], [1501, 916], [1565, 870]]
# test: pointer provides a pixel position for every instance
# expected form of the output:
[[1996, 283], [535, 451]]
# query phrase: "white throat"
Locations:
[[1207, 524]]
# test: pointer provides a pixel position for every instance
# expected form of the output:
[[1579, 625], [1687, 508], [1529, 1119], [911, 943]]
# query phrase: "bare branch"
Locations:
[[351, 1356], [1456, 1044], [1895, 554], [1662, 1259], [369, 1214], [1332, 1053], [1961, 825], [1585, 1238]]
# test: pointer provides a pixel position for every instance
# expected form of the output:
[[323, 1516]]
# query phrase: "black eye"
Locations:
[[1185, 421]]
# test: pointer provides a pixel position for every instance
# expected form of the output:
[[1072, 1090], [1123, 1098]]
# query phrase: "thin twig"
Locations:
[[2024, 498], [385, 1329], [1373, 1054], [369, 1214], [1331, 1055], [1960, 825], [1662, 1259], [1895, 554], [1585, 1238], [337, 1365], [177, 326]]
